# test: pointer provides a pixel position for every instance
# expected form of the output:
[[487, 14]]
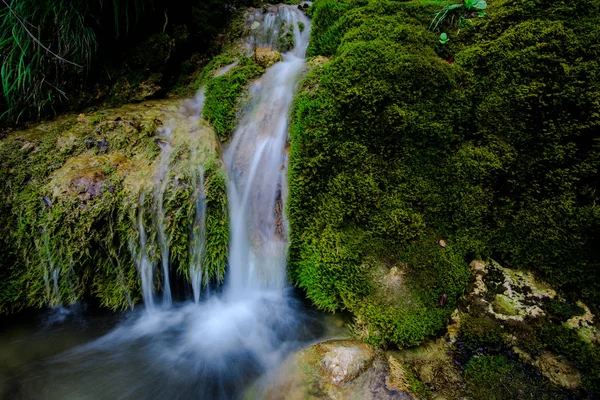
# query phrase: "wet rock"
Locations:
[[89, 186], [102, 146], [266, 57], [558, 370], [344, 360], [443, 300], [432, 364], [46, 201], [338, 369], [27, 147]]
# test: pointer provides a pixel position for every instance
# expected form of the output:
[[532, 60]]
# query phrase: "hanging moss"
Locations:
[[75, 191]]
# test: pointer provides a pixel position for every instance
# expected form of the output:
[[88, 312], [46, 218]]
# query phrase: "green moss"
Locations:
[[223, 94], [73, 210], [585, 356], [496, 377], [285, 38], [395, 145], [217, 223], [480, 332], [563, 309], [353, 185]]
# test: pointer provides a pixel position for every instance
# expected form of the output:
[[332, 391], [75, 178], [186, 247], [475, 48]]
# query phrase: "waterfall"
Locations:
[[143, 262], [214, 348], [198, 242], [257, 163]]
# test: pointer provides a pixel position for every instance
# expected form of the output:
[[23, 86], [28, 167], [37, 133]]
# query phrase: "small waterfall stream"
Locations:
[[257, 164], [217, 345]]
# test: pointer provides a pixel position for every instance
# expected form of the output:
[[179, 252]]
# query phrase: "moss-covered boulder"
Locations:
[[75, 190], [513, 324], [266, 57]]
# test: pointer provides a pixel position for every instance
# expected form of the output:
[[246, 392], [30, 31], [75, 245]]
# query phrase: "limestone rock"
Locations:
[[344, 360], [558, 370], [337, 369], [266, 57]]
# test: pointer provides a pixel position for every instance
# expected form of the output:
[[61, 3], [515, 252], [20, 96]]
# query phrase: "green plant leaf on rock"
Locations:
[[475, 4]]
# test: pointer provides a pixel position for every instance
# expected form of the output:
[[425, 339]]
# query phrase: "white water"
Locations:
[[212, 348], [256, 161], [197, 239]]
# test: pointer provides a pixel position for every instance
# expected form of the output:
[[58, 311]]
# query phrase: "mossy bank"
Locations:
[[410, 156]]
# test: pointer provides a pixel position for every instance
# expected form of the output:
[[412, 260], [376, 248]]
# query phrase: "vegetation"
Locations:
[[496, 378], [401, 140], [73, 194], [223, 94], [130, 49]]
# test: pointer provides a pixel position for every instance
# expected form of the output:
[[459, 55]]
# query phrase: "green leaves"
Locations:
[[468, 5], [475, 5], [444, 38]]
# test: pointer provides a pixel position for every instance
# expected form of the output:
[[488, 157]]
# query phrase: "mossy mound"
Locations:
[[364, 125], [73, 192], [224, 94], [487, 142]]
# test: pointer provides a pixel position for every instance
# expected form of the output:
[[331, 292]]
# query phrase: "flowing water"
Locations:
[[217, 345]]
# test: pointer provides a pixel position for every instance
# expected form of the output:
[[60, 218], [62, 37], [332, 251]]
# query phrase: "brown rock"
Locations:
[[266, 57]]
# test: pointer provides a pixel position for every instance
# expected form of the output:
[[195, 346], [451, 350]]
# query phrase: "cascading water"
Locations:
[[163, 238], [216, 347], [198, 240], [256, 161]]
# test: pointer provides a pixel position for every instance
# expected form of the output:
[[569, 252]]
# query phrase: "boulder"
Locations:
[[337, 369], [266, 57]]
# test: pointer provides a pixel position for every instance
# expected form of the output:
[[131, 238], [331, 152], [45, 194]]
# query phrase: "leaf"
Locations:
[[475, 4], [444, 38]]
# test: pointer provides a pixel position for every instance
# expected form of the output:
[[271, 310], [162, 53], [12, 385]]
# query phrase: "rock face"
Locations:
[[337, 369], [266, 57]]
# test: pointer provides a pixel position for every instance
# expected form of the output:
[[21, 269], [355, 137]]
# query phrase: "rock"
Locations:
[[89, 186], [432, 364], [102, 146], [443, 300], [344, 360], [558, 370], [46, 201], [28, 146], [266, 57], [337, 369], [478, 266], [442, 243]]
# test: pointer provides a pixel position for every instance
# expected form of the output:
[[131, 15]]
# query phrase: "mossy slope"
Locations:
[[489, 142]]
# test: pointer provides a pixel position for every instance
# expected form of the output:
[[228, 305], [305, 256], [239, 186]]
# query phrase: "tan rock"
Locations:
[[558, 370], [266, 57], [344, 360]]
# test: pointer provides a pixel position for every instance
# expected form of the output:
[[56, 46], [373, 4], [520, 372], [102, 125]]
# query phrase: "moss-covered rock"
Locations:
[[266, 57], [71, 200], [400, 141]]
